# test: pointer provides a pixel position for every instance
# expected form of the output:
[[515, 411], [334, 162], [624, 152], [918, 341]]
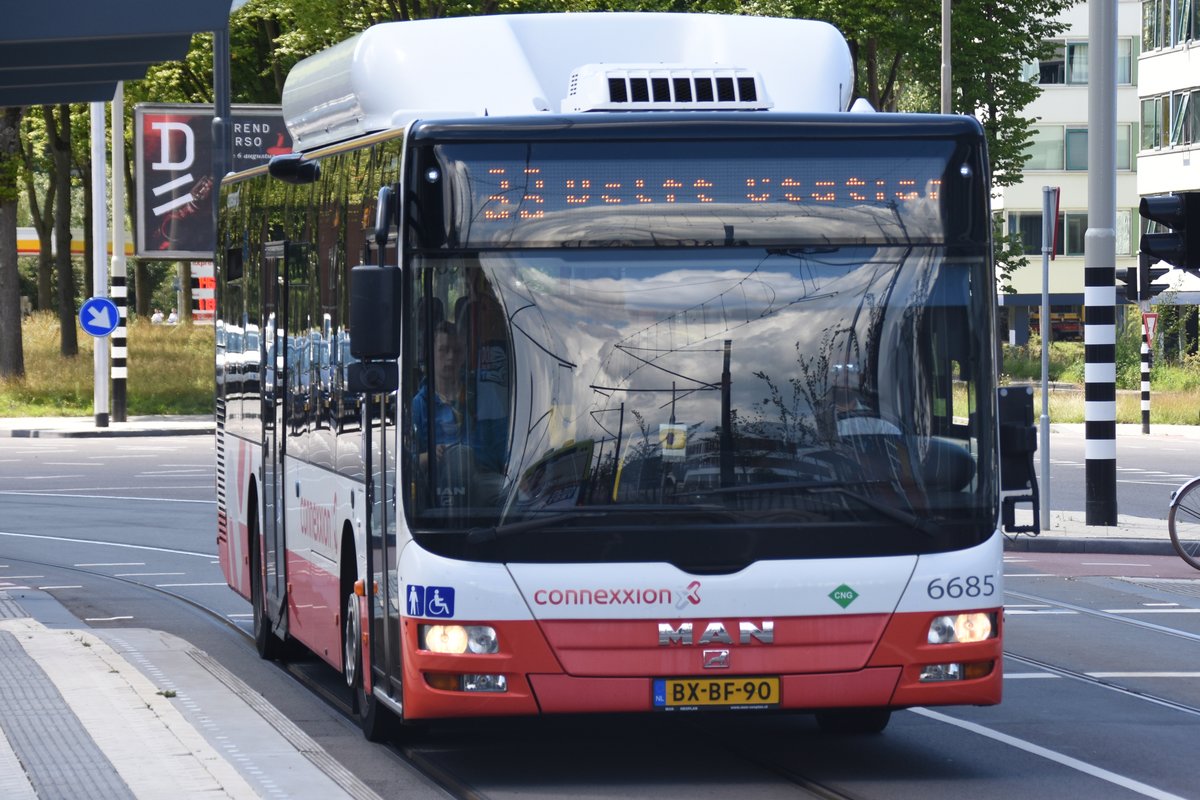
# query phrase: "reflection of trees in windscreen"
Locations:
[[871, 351], [791, 411]]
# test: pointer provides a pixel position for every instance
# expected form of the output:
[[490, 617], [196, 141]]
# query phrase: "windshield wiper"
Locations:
[[838, 488], [482, 535], [506, 529]]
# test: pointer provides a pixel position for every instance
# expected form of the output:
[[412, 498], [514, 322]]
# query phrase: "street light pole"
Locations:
[[946, 105]]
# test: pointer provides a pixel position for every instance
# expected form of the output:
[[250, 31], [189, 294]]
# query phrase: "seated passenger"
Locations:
[[444, 392], [467, 462]]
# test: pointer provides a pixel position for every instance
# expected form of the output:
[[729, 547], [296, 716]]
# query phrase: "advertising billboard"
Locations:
[[173, 162]]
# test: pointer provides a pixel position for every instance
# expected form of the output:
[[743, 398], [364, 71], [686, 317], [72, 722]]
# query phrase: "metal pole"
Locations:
[[946, 105], [1145, 377], [120, 291], [1049, 221], [99, 260], [222, 110], [1099, 269]]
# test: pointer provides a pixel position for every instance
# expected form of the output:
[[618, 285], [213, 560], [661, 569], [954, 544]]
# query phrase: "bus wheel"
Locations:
[[854, 721], [268, 645], [371, 717]]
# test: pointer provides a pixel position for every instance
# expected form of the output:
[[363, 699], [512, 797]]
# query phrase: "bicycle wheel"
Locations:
[[1183, 522]]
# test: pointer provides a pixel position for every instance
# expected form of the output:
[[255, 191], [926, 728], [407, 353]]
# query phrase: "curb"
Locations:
[[1105, 546], [42, 433]]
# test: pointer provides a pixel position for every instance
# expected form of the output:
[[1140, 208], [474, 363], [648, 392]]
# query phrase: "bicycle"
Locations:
[[1183, 521]]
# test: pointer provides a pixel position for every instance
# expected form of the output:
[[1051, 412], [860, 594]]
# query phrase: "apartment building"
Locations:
[[1169, 93], [1059, 158]]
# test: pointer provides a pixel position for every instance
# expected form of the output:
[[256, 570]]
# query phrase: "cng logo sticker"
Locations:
[[843, 595]]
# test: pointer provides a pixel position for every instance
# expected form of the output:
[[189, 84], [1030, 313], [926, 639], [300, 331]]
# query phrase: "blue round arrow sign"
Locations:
[[98, 316]]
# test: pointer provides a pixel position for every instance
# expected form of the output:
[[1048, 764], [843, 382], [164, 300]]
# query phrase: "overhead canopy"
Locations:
[[74, 51]]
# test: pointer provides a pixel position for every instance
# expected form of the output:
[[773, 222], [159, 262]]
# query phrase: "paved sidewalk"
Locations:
[[85, 427], [141, 714]]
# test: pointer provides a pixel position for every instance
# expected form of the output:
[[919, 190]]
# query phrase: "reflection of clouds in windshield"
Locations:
[[651, 336], [913, 220]]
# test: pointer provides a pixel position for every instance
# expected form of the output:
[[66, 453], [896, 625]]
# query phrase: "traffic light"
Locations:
[[1147, 274], [1180, 214], [1129, 276], [1139, 280]]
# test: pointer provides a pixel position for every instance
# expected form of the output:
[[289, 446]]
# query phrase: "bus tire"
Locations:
[[854, 721], [372, 718]]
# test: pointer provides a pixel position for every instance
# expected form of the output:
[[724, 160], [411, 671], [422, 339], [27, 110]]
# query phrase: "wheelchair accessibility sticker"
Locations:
[[430, 601]]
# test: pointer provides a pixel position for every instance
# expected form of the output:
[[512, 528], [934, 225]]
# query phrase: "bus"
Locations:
[[550, 315]]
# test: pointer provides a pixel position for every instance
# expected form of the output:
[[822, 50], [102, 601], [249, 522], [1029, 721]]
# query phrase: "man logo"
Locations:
[[715, 633]]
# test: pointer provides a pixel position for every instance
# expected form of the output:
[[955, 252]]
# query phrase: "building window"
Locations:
[[1167, 23], [1076, 225], [1054, 147], [1151, 127], [1052, 70], [1170, 120], [1068, 64], [1077, 62], [1077, 146], [1124, 232], [1072, 226], [1029, 225], [1045, 148], [1125, 61]]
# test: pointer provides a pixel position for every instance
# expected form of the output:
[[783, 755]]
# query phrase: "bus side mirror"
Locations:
[[1018, 443], [293, 168], [374, 313]]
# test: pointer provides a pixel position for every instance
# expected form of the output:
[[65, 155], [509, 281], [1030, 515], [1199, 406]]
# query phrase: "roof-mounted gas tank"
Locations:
[[526, 64]]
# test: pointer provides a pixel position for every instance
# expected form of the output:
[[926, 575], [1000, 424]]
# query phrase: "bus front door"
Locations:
[[385, 615], [274, 418]]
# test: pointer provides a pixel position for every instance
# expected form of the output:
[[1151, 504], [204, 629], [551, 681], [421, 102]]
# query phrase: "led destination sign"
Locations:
[[656, 192], [527, 193]]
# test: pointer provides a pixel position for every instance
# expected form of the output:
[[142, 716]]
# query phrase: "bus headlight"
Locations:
[[975, 627], [455, 639]]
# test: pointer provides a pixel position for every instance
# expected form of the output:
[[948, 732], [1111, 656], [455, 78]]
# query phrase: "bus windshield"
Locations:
[[710, 405]]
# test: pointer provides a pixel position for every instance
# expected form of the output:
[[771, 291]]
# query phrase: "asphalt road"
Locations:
[[1149, 468], [1102, 690]]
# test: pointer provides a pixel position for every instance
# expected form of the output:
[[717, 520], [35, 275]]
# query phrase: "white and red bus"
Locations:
[[530, 363]]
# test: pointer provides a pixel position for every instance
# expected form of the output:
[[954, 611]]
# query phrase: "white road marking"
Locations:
[[1151, 610], [1023, 612], [1017, 676], [43, 588], [145, 574], [1143, 674], [46, 477], [178, 585], [1030, 575], [1110, 564], [52, 493], [1044, 752], [105, 544], [114, 564], [104, 619]]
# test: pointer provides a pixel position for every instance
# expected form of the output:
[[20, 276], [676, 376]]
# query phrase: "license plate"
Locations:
[[694, 694]]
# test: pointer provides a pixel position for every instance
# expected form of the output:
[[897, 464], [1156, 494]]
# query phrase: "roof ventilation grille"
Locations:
[[664, 87]]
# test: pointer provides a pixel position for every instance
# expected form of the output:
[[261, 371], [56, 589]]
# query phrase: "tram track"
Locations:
[[1106, 683]]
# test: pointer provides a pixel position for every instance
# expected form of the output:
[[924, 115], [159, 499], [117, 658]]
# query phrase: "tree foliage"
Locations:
[[895, 46]]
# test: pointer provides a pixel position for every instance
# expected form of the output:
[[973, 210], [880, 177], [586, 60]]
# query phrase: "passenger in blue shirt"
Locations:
[[447, 390]]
